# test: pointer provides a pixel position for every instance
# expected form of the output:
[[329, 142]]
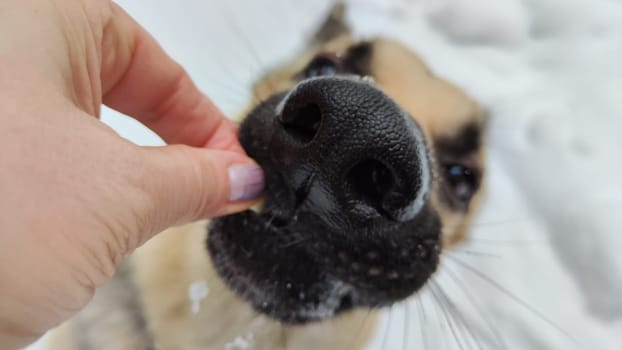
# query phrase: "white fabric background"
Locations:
[[548, 71]]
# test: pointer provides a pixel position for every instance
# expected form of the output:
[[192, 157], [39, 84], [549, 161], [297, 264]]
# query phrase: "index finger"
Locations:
[[139, 79]]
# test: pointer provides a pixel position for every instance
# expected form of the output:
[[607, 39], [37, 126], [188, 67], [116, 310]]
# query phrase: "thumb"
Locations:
[[189, 183]]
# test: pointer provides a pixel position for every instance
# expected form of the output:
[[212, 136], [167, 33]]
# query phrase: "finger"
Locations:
[[192, 183], [139, 79]]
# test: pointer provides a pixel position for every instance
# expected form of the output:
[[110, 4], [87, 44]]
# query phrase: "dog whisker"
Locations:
[[406, 328], [513, 297], [385, 337], [472, 253], [484, 228], [357, 334], [449, 317], [423, 322], [509, 221], [466, 324], [442, 320], [510, 242], [248, 45], [232, 89], [469, 296], [295, 242]]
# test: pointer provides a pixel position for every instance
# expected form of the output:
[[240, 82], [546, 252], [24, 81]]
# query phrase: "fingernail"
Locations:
[[246, 181]]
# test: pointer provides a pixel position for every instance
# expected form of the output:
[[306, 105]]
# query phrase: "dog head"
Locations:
[[372, 164]]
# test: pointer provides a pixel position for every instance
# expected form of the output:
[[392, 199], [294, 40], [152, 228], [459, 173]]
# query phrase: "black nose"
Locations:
[[346, 145]]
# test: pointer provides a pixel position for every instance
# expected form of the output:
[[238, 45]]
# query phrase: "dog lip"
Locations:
[[340, 298]]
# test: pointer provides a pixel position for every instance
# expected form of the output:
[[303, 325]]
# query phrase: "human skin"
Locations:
[[75, 198]]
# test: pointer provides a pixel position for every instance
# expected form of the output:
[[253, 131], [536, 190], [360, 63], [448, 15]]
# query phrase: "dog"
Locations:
[[373, 166]]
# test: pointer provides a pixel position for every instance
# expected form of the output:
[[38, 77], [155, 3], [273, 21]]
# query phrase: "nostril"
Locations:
[[345, 303], [371, 180], [303, 122]]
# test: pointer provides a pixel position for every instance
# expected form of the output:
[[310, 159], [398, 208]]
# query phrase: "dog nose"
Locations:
[[344, 144]]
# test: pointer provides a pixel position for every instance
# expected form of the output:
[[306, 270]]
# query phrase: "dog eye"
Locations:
[[323, 65], [462, 182]]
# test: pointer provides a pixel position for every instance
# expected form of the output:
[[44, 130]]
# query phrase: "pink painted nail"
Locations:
[[246, 181]]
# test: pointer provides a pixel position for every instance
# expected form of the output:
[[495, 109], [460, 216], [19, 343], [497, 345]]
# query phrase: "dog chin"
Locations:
[[295, 281], [337, 298], [276, 277]]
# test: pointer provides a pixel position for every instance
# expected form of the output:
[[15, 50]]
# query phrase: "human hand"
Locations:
[[75, 198]]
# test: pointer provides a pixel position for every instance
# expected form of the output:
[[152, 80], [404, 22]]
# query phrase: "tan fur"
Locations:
[[222, 316], [165, 267], [107, 322]]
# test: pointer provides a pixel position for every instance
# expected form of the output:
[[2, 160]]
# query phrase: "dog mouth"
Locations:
[[346, 220], [293, 273]]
